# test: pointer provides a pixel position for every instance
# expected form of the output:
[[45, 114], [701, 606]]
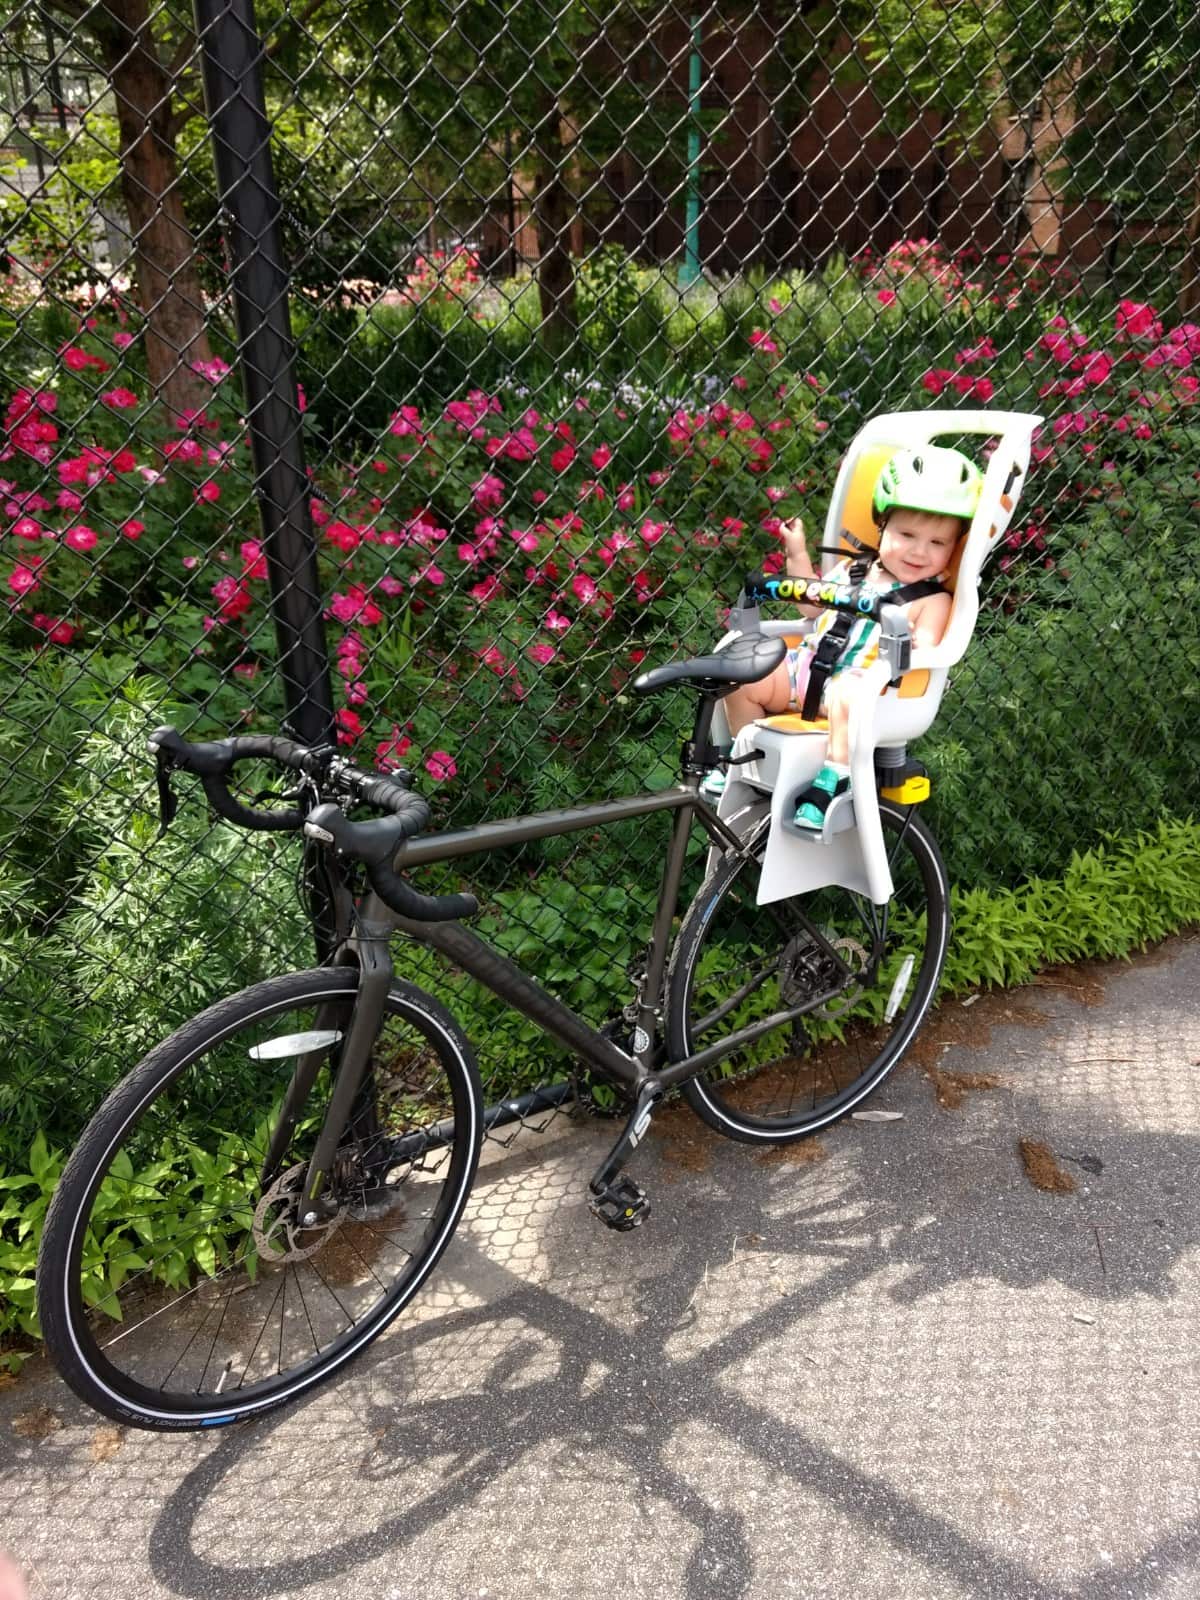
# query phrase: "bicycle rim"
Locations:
[[178, 1285], [865, 978]]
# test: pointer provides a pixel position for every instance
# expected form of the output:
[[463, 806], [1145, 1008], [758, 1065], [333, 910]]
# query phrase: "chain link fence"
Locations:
[[446, 364]]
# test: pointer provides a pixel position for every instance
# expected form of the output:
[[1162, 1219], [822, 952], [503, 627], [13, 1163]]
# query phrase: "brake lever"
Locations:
[[168, 805]]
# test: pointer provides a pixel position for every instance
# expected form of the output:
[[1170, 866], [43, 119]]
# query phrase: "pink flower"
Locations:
[[122, 340], [563, 457], [556, 622], [774, 306], [1097, 367], [22, 580], [1137, 321], [389, 753], [405, 421], [27, 528], [120, 399], [601, 456], [761, 340], [543, 654], [254, 562], [440, 765], [886, 297], [208, 493], [344, 536], [431, 574], [355, 605], [625, 497], [133, 529], [79, 361], [488, 493], [80, 538], [525, 540], [183, 450], [583, 588], [232, 597], [349, 726]]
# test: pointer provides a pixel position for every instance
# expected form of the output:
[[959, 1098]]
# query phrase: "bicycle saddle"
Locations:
[[746, 660]]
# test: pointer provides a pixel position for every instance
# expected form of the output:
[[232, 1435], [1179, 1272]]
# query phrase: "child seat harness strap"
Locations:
[[836, 638]]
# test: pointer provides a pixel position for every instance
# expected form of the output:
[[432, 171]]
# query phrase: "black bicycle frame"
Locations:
[[369, 947]]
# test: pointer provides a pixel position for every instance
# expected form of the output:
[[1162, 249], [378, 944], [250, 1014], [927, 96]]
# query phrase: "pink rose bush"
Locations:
[[487, 564]]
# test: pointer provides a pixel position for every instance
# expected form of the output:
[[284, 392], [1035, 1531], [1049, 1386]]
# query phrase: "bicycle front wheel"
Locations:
[[177, 1284], [862, 976]]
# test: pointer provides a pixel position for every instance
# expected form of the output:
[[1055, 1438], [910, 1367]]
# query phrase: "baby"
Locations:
[[923, 503]]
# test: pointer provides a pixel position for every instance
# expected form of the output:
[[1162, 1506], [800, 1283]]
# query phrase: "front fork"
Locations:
[[348, 1106]]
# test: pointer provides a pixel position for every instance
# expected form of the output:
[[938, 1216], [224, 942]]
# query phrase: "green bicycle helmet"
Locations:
[[932, 478]]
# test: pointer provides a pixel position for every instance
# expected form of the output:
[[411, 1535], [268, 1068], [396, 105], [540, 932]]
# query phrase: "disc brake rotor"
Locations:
[[276, 1227], [855, 957]]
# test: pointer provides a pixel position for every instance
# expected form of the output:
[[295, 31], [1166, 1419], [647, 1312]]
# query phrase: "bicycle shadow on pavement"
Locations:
[[597, 1368]]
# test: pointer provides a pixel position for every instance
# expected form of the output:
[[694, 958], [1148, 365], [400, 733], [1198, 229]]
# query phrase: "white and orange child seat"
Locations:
[[851, 851]]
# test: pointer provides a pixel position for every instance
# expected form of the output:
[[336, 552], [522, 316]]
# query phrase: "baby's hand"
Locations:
[[792, 534]]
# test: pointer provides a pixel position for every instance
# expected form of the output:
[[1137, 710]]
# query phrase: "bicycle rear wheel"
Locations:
[[177, 1287], [868, 976]]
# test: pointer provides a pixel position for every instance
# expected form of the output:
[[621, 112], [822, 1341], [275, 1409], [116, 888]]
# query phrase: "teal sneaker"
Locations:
[[813, 803], [712, 785]]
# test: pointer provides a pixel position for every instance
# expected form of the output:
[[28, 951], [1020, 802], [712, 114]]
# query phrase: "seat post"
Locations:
[[698, 756]]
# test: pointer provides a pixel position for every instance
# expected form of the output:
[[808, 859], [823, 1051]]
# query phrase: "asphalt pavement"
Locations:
[[950, 1354]]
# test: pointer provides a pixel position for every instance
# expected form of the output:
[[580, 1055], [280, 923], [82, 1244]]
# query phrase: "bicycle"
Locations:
[[270, 1187]]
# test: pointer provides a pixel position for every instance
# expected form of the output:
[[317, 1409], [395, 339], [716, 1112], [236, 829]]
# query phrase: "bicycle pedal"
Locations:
[[621, 1205]]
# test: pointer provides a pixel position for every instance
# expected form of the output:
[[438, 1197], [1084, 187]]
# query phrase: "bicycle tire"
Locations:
[[801, 1077], [108, 1250]]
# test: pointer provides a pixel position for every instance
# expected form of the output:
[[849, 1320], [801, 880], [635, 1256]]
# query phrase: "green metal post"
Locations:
[[690, 270]]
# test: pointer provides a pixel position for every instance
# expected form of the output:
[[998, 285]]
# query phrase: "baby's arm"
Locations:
[[928, 620], [799, 562]]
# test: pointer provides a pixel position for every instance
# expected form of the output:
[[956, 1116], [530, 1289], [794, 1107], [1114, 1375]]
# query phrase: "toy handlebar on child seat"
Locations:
[[854, 599]]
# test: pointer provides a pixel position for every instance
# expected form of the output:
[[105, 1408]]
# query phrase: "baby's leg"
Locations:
[[837, 707], [833, 779], [766, 698]]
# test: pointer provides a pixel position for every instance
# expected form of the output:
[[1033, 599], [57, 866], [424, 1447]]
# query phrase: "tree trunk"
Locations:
[[168, 284], [1187, 301], [554, 212]]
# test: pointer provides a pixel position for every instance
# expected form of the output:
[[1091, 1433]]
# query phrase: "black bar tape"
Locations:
[[289, 820], [409, 902], [376, 843], [212, 763]]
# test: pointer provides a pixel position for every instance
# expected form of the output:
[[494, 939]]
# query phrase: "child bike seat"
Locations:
[[885, 714]]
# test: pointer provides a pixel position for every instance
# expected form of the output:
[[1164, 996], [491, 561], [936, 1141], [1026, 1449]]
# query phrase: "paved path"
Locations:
[[886, 1366]]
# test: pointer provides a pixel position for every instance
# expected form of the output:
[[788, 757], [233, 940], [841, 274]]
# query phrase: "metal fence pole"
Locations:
[[232, 63]]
